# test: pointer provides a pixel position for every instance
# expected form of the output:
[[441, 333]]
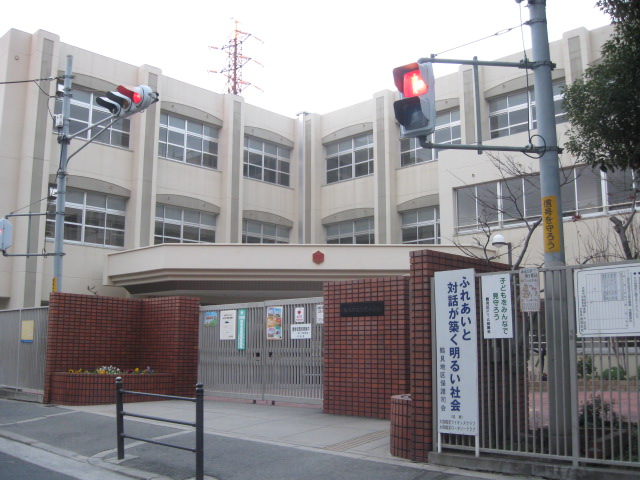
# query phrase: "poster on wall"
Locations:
[[300, 331], [299, 315], [457, 358], [496, 306], [529, 279], [210, 319], [320, 313], [608, 301], [228, 325], [274, 323], [27, 327]]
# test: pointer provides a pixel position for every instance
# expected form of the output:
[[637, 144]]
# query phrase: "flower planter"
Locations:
[[97, 389]]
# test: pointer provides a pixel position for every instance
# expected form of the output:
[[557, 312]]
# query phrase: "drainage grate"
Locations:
[[356, 442]]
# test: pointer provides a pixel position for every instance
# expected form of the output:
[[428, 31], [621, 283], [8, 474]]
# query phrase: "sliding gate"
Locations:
[[263, 351]]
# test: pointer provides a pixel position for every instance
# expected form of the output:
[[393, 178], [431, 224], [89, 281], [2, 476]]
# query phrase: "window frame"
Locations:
[[411, 153], [269, 233], [351, 230], [164, 222], [349, 158], [95, 113], [266, 161], [504, 129], [182, 134], [89, 215], [420, 225]]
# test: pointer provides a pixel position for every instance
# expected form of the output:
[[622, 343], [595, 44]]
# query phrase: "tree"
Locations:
[[603, 107]]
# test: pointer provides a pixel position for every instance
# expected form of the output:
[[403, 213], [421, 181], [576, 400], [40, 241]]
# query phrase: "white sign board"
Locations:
[[457, 382], [608, 301], [529, 279], [228, 325], [320, 313], [300, 331], [496, 306], [299, 315]]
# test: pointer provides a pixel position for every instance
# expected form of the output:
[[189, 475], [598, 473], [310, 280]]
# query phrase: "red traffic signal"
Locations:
[[416, 110], [127, 101]]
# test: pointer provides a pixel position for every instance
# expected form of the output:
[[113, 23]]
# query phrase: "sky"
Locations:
[[309, 56]]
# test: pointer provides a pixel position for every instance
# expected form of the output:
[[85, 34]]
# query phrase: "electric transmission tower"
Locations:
[[235, 61]]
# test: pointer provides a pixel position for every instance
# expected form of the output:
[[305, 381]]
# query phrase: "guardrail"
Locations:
[[198, 424]]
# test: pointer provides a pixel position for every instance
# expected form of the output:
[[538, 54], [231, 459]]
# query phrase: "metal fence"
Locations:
[[262, 365], [23, 345], [547, 392]]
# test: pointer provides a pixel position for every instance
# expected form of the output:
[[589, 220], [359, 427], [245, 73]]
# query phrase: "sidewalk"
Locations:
[[243, 441]]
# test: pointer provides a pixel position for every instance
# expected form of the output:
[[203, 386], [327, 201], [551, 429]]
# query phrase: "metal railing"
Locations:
[[198, 424], [572, 399]]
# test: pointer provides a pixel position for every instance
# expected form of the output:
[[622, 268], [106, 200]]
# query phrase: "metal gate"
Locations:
[[23, 345], [268, 366], [547, 392]]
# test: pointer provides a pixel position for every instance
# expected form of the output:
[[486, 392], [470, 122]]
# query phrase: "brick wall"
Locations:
[[366, 358], [88, 331]]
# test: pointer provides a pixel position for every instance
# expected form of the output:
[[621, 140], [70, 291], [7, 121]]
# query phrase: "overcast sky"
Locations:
[[315, 56]]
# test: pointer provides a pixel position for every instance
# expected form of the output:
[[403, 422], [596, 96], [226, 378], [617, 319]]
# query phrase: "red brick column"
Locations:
[[424, 265], [366, 358]]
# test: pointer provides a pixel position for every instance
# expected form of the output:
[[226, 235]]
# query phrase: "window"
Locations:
[[188, 141], [620, 189], [85, 112], [350, 158], [517, 112], [447, 131], [499, 203], [91, 218], [183, 225], [421, 226], [584, 191], [261, 232], [355, 231], [266, 161]]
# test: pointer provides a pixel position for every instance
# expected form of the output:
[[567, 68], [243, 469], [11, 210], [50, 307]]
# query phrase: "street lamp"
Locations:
[[498, 241]]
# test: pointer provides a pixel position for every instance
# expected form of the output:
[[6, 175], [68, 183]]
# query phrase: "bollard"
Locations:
[[119, 418], [199, 432]]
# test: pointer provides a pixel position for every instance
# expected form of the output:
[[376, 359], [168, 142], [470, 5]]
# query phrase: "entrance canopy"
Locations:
[[231, 273]]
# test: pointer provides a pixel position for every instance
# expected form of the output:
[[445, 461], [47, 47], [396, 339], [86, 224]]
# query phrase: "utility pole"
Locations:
[[559, 332], [61, 175]]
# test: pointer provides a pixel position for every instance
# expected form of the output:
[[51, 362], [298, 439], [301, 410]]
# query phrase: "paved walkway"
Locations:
[[243, 441]]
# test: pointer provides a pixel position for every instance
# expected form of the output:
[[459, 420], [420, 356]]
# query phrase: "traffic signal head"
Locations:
[[416, 110], [6, 234], [127, 101]]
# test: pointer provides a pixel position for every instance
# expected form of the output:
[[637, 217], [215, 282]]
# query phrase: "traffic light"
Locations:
[[416, 110], [6, 234], [127, 101]]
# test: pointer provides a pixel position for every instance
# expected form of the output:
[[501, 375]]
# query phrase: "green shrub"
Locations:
[[585, 367], [614, 373]]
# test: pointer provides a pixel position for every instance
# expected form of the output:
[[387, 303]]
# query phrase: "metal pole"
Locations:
[[62, 178], [199, 432], [545, 113], [119, 418], [553, 235]]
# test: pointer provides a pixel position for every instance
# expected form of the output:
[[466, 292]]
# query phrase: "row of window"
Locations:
[[98, 219], [507, 202], [196, 143]]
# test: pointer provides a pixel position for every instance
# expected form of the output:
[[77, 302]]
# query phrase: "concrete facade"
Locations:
[[298, 192]]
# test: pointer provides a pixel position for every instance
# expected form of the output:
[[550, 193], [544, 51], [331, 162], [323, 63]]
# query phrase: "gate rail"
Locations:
[[560, 396], [198, 424]]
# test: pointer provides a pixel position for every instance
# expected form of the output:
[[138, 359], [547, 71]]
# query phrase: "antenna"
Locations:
[[235, 61]]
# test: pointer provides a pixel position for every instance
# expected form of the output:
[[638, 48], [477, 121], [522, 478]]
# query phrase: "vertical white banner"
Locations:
[[457, 367], [496, 306]]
